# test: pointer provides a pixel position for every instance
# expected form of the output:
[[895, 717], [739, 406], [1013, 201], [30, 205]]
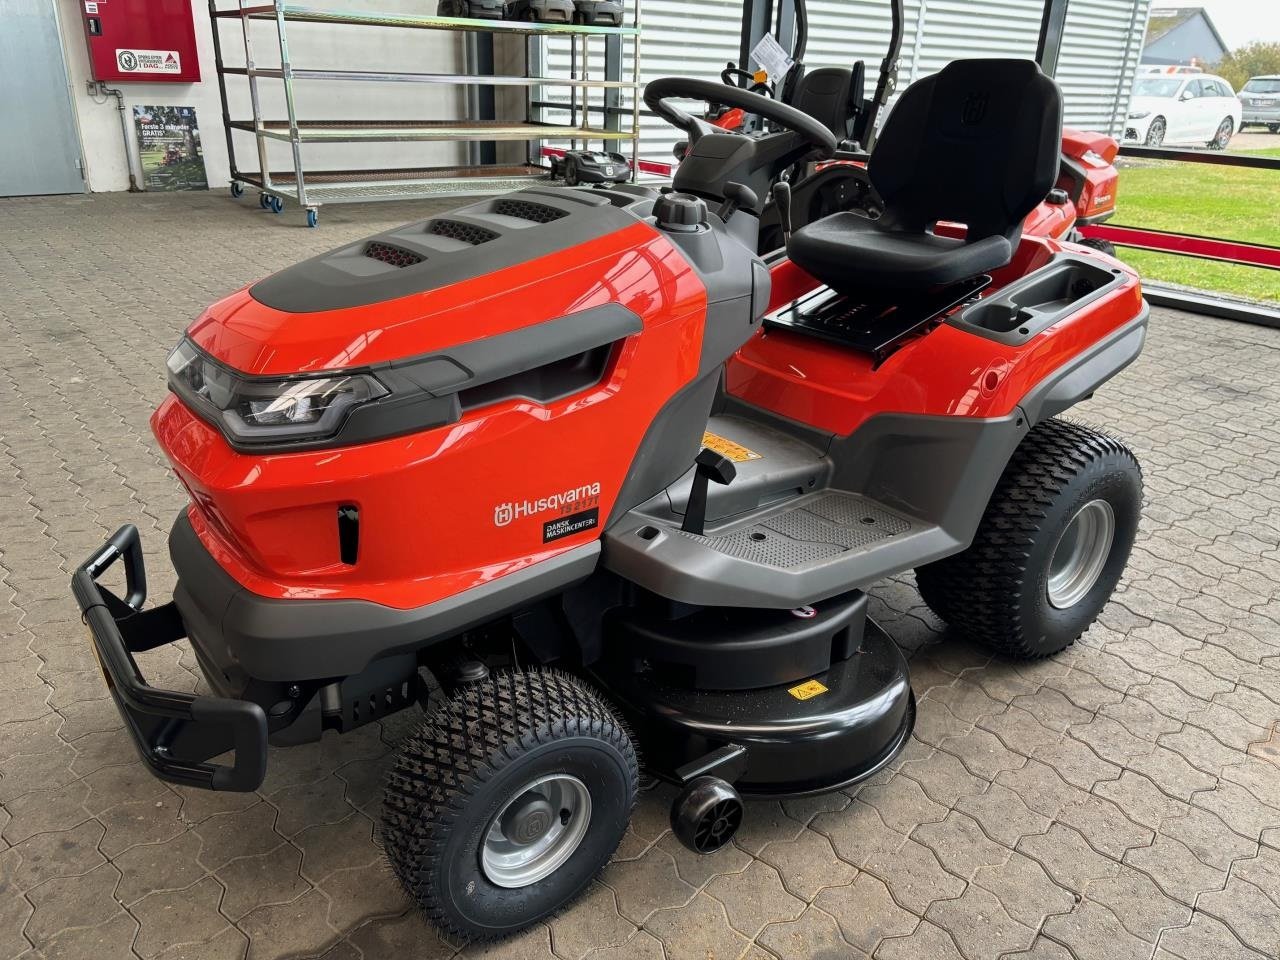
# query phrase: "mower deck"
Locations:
[[832, 730]]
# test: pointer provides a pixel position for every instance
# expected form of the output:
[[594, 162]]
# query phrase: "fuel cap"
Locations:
[[679, 212]]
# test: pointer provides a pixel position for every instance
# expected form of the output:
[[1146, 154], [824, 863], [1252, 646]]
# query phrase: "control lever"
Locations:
[[736, 196], [782, 200], [708, 466]]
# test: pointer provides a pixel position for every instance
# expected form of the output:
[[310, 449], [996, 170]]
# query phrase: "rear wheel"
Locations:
[[1106, 246], [570, 174], [1156, 132], [508, 799], [1051, 546], [1274, 127], [1223, 136]]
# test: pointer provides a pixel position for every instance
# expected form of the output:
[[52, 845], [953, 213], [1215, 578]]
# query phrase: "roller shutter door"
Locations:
[[1101, 44]]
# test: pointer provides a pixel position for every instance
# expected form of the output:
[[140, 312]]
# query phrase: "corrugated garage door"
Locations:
[[1099, 55], [1100, 50], [1101, 45]]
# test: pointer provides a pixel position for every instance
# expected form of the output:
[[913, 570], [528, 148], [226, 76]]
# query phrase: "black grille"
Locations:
[[456, 230], [392, 256], [527, 210]]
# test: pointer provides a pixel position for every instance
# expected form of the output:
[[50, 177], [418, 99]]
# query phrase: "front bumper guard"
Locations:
[[176, 733]]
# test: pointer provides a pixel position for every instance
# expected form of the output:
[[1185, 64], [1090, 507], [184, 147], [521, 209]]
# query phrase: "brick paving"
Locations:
[[1121, 800]]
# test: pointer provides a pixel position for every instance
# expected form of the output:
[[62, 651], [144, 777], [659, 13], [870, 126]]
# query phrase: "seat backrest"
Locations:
[[828, 95], [977, 143]]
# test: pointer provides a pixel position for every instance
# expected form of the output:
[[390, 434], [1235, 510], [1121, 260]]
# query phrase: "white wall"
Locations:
[[310, 45]]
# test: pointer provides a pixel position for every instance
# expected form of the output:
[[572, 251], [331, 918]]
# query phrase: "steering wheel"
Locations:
[[657, 93]]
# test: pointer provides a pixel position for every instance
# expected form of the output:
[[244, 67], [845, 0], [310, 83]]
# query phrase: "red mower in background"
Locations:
[[585, 477]]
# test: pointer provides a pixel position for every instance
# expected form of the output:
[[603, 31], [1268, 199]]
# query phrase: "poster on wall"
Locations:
[[169, 147]]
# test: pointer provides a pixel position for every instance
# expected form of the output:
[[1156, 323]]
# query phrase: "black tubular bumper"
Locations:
[[176, 733]]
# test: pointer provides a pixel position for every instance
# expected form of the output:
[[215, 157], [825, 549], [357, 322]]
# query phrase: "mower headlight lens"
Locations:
[[1140, 115], [263, 410]]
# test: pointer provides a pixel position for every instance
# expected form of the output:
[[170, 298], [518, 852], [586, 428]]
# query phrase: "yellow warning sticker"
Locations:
[[727, 448], [807, 690], [760, 76]]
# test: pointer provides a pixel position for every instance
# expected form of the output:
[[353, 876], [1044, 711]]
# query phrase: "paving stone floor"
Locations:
[[1119, 801]]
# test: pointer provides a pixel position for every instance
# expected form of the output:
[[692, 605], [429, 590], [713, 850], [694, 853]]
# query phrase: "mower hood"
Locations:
[[428, 285]]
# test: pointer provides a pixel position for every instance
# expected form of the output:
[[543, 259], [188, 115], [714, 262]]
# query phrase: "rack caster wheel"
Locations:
[[275, 205], [313, 217], [237, 190], [706, 815], [264, 201]]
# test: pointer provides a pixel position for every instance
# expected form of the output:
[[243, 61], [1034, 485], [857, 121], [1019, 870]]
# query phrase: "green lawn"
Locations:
[[1234, 203]]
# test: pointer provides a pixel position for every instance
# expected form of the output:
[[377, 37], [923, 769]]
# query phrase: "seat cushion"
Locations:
[[857, 257]]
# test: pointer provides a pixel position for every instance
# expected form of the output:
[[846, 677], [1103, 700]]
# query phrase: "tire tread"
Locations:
[[978, 591], [466, 740]]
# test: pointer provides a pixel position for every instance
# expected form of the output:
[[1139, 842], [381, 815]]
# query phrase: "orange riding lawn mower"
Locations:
[[598, 477]]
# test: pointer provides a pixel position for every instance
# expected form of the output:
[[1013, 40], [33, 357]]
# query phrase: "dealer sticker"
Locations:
[[807, 690], [567, 526], [728, 449], [148, 61]]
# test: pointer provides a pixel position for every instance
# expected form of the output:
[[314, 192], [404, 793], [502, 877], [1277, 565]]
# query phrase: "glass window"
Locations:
[[1156, 86], [1262, 85]]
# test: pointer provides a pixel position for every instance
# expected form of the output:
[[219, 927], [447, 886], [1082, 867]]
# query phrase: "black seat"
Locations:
[[832, 96], [977, 143]]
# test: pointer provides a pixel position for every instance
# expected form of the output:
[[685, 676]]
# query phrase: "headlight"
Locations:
[[259, 409], [1140, 115]]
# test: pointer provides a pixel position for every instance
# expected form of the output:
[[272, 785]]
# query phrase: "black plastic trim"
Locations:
[[298, 640], [345, 277], [1079, 377], [175, 732], [424, 390]]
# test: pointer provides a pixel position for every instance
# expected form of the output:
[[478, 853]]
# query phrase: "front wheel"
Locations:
[[1223, 136], [1274, 127], [1097, 243], [1050, 548], [1156, 132], [508, 799]]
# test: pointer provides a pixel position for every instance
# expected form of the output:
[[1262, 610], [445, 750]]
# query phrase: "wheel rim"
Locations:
[[1081, 553], [1224, 135], [536, 831], [1155, 136]]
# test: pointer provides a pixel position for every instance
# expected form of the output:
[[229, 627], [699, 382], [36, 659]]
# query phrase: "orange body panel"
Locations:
[[947, 372], [429, 502]]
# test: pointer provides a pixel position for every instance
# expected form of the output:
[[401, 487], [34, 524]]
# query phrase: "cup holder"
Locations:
[[1038, 300]]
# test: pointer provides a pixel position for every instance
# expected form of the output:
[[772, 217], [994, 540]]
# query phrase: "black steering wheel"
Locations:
[[657, 93]]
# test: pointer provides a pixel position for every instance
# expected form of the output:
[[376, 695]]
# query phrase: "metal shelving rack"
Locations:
[[313, 188]]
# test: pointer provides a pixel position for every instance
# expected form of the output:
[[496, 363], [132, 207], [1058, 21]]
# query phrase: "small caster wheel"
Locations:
[[264, 200], [313, 217], [276, 205], [706, 815], [237, 190]]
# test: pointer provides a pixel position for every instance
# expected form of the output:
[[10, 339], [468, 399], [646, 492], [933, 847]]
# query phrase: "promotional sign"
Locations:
[[169, 147]]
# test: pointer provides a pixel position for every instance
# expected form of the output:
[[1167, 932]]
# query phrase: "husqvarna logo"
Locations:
[[974, 107], [567, 501]]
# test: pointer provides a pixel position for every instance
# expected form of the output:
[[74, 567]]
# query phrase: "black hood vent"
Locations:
[[392, 256], [528, 210], [465, 232]]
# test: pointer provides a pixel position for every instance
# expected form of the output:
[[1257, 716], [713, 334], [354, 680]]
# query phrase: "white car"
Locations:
[[1196, 109]]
